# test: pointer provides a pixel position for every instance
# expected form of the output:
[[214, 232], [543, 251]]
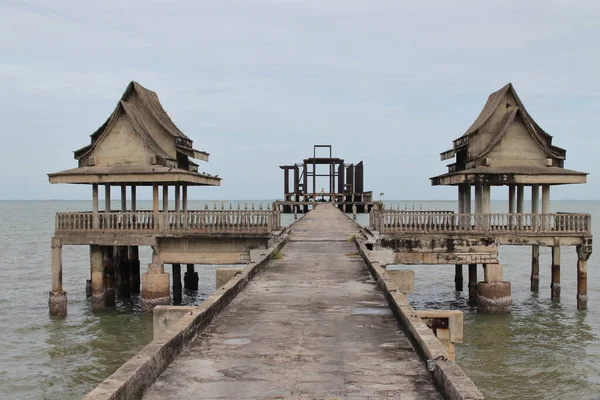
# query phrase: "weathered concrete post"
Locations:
[[295, 212], [155, 287], [472, 281], [109, 276], [555, 285], [57, 298], [493, 294], [97, 272], [545, 205], [190, 279], [354, 211], [458, 277], [123, 272], [177, 206], [535, 249], [583, 254], [486, 205], [511, 205], [535, 268], [177, 295], [134, 269]]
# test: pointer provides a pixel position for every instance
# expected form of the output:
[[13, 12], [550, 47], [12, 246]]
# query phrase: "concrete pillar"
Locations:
[[97, 272], [493, 294], [133, 199], [458, 277], [123, 272], [478, 198], [177, 295], [583, 254], [295, 212], [57, 297], [535, 268], [354, 211], [123, 197], [109, 276], [511, 199], [95, 205], [155, 206], [545, 199], [467, 199], [486, 200], [190, 279], [520, 203], [107, 198], [555, 284], [155, 287], [177, 206], [535, 207], [472, 281], [134, 269], [184, 198], [166, 206]]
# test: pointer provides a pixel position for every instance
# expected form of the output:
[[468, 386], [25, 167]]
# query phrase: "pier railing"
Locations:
[[390, 222], [202, 221]]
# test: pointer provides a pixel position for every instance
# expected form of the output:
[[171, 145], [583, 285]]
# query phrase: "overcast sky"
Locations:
[[256, 83]]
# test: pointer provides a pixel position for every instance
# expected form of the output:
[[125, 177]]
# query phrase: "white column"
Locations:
[[486, 200], [545, 199]]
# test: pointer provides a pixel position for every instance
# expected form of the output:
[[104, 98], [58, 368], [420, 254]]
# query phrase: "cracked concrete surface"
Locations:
[[313, 325]]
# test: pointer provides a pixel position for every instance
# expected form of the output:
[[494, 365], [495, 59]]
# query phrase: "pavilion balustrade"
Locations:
[[389, 221], [217, 221]]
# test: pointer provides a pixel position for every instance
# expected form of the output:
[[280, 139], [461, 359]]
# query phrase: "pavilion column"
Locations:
[[478, 198], [57, 297], [190, 279], [535, 249], [107, 198], [184, 205], [155, 206], [486, 206], [493, 294], [123, 198], [133, 199], [545, 206], [511, 199], [155, 287], [555, 284], [583, 254], [95, 205], [177, 205], [165, 206], [177, 295], [520, 202], [458, 268]]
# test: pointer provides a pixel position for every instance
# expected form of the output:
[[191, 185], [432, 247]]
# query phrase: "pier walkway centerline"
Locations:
[[313, 324]]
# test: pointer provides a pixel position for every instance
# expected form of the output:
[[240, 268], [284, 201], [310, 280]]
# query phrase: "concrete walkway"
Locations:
[[313, 325]]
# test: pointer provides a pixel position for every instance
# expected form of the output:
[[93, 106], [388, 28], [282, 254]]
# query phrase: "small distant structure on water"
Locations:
[[345, 181]]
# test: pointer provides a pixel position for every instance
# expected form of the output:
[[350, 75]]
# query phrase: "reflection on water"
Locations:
[[543, 350]]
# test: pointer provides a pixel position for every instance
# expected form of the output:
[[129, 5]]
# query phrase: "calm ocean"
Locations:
[[543, 350]]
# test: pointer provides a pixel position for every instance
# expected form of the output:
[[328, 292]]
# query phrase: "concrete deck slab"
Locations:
[[312, 325]]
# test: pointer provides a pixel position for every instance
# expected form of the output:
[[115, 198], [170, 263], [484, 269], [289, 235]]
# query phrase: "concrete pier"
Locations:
[[57, 297], [177, 288], [312, 325], [472, 281], [458, 277], [190, 279], [555, 284], [155, 287], [535, 268], [134, 268], [493, 294]]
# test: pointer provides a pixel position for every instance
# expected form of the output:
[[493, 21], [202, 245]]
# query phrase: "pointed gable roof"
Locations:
[[494, 101]]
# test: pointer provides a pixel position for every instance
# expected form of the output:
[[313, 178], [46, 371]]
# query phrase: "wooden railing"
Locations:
[[209, 221], [498, 223]]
